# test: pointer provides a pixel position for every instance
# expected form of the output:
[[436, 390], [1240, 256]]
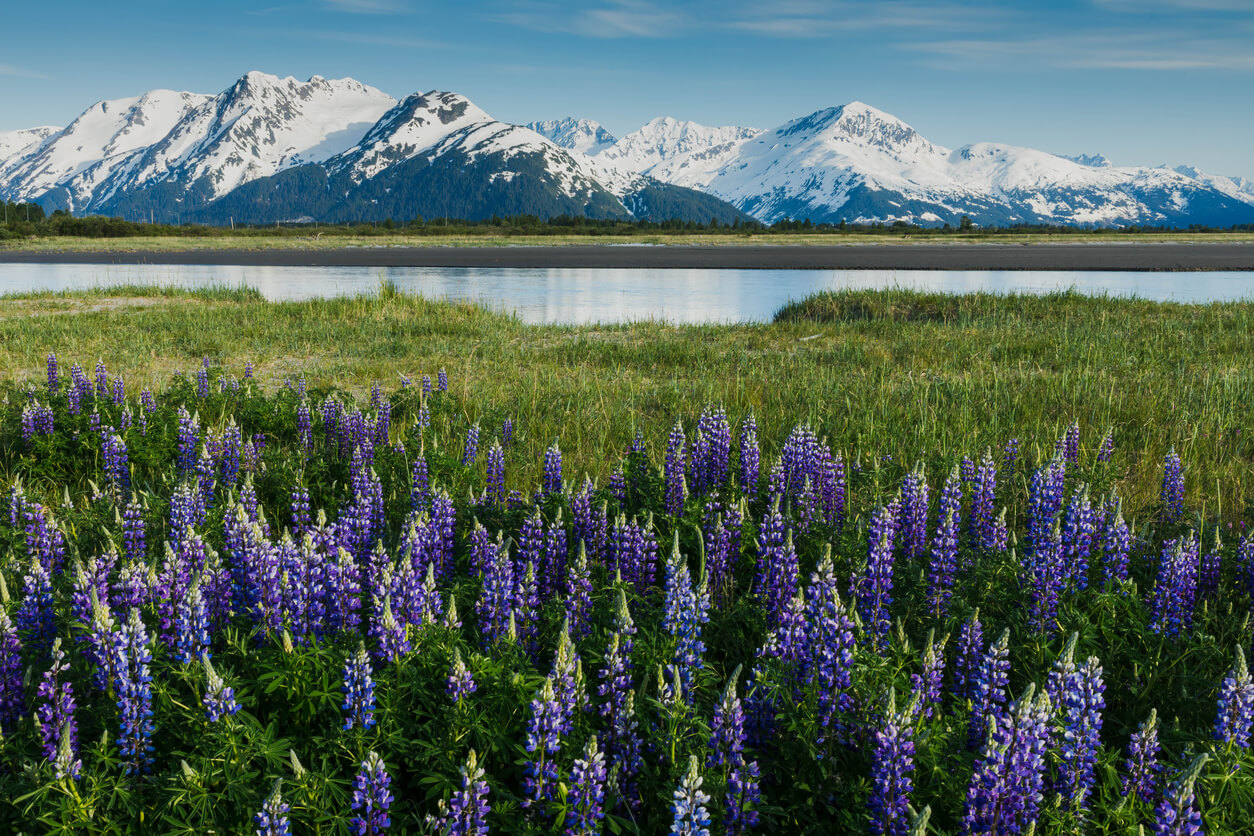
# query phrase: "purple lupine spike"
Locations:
[[119, 390], [1044, 576], [622, 743], [466, 813], [914, 501], [578, 597], [750, 456], [711, 451], [116, 464], [617, 485], [219, 699], [552, 483], [633, 552], [1072, 447], [471, 450], [391, 636], [544, 741], [891, 767], [1006, 789], [1107, 450], [567, 675], [12, 691], [1208, 569], [554, 558], [828, 644], [54, 715], [983, 500], [1141, 768], [989, 690], [1172, 598], [967, 469], [727, 742], [420, 485], [721, 533], [673, 471], [358, 690], [524, 614], [507, 431], [461, 684], [371, 796], [133, 531], [102, 380], [685, 609], [495, 608], [1177, 813], [927, 686], [874, 588], [134, 691], [272, 819], [442, 381], [590, 526], [1115, 546], [191, 624], [587, 792], [1081, 702], [202, 380], [690, 816], [36, 621], [54, 382], [1077, 538], [1172, 494], [944, 561], [188, 441], [304, 426], [967, 660], [301, 519], [777, 565], [1236, 705], [494, 483]]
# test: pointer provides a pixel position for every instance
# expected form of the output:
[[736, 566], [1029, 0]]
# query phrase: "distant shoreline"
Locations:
[[1156, 257]]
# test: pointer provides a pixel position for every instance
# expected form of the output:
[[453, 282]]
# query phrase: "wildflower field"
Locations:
[[242, 598]]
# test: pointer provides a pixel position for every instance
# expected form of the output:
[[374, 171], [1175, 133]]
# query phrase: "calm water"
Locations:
[[582, 296]]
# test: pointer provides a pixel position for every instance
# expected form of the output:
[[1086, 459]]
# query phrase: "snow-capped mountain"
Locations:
[[674, 151], [581, 135], [270, 148], [859, 164], [1241, 188]]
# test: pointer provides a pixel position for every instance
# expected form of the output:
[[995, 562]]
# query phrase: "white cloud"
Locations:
[[368, 7], [19, 72], [611, 19], [1112, 50]]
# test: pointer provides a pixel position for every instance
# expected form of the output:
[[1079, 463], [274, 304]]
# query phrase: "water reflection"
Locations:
[[576, 296]]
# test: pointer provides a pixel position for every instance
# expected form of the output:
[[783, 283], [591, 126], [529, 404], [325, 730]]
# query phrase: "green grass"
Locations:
[[878, 373], [207, 238]]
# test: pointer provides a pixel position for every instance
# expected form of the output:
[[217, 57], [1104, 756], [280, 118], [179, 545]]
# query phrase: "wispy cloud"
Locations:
[[1113, 50], [20, 72], [366, 7], [1158, 6], [810, 19], [605, 19], [398, 40]]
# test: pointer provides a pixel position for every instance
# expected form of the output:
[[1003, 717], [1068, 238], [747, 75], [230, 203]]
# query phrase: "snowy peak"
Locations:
[[413, 125], [860, 125], [14, 145], [580, 135], [667, 140], [1240, 188], [1090, 160]]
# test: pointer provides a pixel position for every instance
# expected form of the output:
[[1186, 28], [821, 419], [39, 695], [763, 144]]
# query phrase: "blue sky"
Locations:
[[1142, 81]]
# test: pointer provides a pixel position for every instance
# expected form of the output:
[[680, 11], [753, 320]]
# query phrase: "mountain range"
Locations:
[[271, 149]]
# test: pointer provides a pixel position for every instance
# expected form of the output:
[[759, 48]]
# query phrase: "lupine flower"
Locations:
[[750, 456], [442, 381], [420, 490], [891, 767], [673, 471], [927, 684], [1077, 538], [460, 683], [827, 643], [552, 483], [1177, 813], [967, 660], [690, 815], [727, 741], [494, 491], [1107, 450], [272, 819], [913, 518], [983, 499], [1141, 767], [568, 685], [721, 530], [622, 743], [1173, 596], [358, 690], [36, 622], [471, 449], [219, 699], [54, 383], [1236, 705], [777, 565], [54, 715], [1045, 577], [579, 594], [874, 589], [1115, 547], [12, 692], [507, 431], [1080, 702], [466, 814], [1208, 569], [711, 451], [1172, 494], [633, 552], [1005, 791], [371, 796], [544, 741], [945, 545], [188, 441], [587, 792], [685, 609], [989, 690], [134, 687]]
